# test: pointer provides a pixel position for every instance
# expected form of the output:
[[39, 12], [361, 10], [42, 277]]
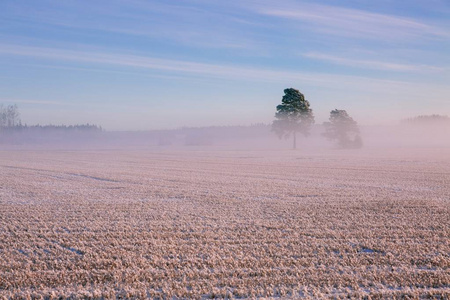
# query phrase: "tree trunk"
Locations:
[[295, 142]]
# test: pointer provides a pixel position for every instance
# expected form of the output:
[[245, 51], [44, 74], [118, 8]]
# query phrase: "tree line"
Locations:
[[428, 119], [10, 121]]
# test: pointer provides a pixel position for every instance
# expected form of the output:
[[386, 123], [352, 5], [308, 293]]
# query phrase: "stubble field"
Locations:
[[216, 223]]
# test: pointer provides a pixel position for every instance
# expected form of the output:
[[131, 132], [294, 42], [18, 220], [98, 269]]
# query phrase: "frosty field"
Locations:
[[215, 223]]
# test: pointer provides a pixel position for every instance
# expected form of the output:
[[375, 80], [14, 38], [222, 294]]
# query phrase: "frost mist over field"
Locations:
[[210, 222], [146, 149]]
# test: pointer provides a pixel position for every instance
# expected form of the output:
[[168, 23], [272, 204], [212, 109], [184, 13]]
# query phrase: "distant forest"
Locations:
[[10, 122], [428, 119], [43, 128], [14, 132]]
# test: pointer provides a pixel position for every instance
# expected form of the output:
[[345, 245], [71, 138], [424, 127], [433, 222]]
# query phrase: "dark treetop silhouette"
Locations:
[[293, 115]]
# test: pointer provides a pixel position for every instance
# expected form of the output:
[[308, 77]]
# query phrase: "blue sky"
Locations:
[[136, 65]]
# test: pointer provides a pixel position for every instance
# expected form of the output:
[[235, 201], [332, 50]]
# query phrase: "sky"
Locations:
[[142, 65]]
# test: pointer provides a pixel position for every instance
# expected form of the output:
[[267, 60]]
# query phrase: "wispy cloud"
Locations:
[[190, 68], [101, 70], [182, 23], [372, 64], [333, 83], [349, 22], [31, 101]]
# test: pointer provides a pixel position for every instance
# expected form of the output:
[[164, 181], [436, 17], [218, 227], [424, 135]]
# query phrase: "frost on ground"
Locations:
[[238, 224]]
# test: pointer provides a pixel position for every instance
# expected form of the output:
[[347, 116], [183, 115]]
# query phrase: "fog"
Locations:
[[255, 137]]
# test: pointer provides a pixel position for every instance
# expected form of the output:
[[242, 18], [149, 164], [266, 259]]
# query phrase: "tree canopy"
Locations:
[[343, 129], [293, 115]]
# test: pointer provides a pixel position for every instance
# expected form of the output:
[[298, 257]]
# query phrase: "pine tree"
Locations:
[[293, 115]]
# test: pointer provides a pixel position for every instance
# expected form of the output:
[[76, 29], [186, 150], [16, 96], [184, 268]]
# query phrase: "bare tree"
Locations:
[[9, 116], [13, 115], [2, 116]]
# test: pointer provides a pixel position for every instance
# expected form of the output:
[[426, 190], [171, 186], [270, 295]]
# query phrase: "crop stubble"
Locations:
[[224, 224]]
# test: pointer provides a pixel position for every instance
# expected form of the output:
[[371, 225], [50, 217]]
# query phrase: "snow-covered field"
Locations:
[[217, 223]]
